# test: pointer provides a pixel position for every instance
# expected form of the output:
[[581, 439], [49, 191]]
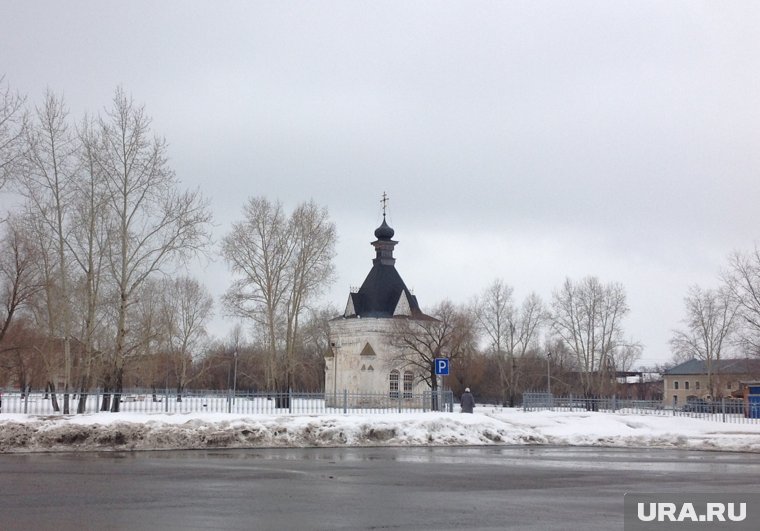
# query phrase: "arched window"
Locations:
[[408, 382], [394, 383]]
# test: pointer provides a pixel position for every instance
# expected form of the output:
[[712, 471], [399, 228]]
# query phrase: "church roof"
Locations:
[[383, 293]]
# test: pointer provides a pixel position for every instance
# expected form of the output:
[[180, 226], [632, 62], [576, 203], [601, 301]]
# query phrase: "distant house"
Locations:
[[691, 379], [638, 385]]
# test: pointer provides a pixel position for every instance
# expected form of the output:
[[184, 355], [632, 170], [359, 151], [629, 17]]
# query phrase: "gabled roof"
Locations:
[[732, 366], [383, 293]]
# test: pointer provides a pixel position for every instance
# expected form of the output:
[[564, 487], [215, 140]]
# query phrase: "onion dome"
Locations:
[[384, 231]]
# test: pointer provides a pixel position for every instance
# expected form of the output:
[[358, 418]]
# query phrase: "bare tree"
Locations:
[[87, 243], [587, 316], [510, 331], [742, 280], [186, 307], [152, 223], [312, 270], [709, 322], [450, 334], [12, 127], [47, 182], [148, 328], [624, 357], [17, 359], [493, 311], [314, 340], [43, 305], [19, 276], [258, 251], [282, 263]]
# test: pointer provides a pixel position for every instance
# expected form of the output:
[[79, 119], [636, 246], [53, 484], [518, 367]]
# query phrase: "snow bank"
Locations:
[[106, 431]]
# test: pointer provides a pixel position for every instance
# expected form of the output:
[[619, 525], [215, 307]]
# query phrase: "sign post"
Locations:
[[441, 369], [442, 366]]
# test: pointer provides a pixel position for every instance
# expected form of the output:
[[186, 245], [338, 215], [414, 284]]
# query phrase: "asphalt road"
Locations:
[[526, 488]]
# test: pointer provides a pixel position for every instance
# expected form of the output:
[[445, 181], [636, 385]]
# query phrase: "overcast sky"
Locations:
[[530, 141]]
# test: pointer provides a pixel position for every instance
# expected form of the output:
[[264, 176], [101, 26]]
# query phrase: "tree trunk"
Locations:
[[21, 373], [82, 405], [53, 397], [84, 382], [116, 402], [67, 363], [433, 391], [105, 403]]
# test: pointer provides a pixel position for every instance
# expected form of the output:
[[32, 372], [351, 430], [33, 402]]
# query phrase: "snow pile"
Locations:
[[125, 431], [639, 431]]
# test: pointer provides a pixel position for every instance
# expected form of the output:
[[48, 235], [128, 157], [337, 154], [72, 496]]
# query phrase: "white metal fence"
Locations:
[[725, 410], [248, 403]]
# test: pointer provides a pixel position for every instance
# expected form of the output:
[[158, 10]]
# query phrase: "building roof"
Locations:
[[731, 366], [383, 294]]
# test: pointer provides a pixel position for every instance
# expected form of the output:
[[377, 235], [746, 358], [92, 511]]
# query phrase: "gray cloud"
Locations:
[[528, 140]]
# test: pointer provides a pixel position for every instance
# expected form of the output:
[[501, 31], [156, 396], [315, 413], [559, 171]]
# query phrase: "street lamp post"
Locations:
[[549, 372], [234, 378]]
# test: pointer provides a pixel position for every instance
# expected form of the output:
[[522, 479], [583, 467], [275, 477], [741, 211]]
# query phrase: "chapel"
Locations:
[[362, 357]]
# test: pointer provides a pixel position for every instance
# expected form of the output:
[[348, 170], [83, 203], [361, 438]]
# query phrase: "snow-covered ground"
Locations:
[[488, 426]]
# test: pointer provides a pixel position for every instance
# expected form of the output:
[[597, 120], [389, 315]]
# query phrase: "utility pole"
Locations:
[[234, 378]]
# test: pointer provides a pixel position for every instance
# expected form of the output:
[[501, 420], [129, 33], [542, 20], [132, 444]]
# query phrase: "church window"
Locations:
[[408, 381], [394, 384]]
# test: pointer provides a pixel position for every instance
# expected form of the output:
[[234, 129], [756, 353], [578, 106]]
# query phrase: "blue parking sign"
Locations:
[[442, 366]]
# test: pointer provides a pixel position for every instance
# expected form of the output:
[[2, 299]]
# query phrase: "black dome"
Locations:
[[384, 232]]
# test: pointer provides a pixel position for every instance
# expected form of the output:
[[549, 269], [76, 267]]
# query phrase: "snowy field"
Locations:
[[488, 426]]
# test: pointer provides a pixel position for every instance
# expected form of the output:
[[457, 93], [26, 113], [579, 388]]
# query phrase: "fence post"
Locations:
[[290, 400], [26, 402], [97, 399], [345, 401], [723, 407], [614, 403], [166, 400]]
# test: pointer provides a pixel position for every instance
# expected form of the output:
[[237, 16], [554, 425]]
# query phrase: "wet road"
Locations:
[[358, 488]]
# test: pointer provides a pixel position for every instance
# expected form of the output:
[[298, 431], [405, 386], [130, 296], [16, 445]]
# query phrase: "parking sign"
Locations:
[[442, 366]]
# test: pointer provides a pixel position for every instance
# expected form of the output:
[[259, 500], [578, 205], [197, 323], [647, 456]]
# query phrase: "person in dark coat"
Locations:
[[467, 401]]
